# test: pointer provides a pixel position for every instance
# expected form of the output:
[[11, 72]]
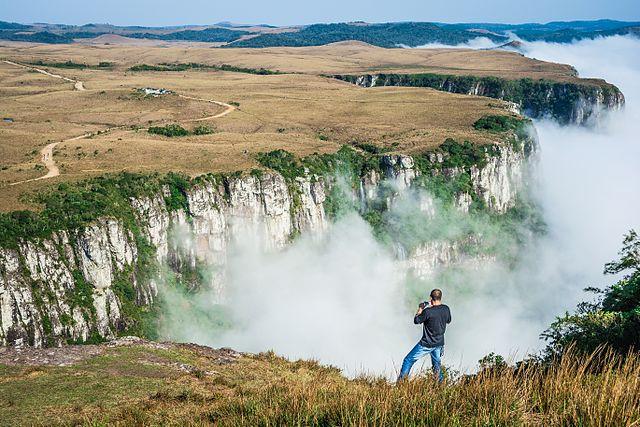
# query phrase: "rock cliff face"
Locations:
[[568, 103], [77, 285]]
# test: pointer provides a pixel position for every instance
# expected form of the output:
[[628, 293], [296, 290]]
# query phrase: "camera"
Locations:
[[425, 304]]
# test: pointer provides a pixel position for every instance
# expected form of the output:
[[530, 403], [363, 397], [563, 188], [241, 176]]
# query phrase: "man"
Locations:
[[434, 317]]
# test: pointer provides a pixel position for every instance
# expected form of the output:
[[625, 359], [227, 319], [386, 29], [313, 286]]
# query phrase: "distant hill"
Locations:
[[383, 35], [12, 26], [38, 37], [207, 35]]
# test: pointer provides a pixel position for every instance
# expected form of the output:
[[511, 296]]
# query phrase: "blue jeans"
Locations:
[[418, 352]]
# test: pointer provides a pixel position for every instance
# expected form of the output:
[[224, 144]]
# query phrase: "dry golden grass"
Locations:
[[302, 113], [296, 112], [148, 386], [336, 58]]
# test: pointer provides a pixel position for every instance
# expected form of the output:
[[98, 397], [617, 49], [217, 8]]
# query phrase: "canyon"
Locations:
[[131, 212], [72, 285]]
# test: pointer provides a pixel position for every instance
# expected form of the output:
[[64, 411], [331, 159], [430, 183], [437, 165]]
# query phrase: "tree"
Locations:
[[614, 319]]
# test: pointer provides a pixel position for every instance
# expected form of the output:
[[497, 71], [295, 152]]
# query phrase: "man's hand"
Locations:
[[420, 310]]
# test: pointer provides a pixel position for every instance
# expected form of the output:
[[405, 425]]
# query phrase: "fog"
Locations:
[[344, 299], [590, 177], [476, 43]]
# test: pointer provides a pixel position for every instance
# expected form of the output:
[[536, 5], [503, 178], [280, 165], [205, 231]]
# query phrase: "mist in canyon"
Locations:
[[344, 298], [475, 43]]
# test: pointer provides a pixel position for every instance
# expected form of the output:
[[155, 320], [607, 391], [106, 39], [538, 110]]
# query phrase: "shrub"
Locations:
[[170, 131], [614, 319], [372, 148], [497, 123], [202, 130], [283, 162], [72, 65], [195, 66]]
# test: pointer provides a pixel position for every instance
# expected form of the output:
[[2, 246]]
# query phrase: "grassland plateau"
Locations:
[[293, 107]]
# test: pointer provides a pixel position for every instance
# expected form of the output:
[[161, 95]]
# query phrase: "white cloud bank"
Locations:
[[476, 43]]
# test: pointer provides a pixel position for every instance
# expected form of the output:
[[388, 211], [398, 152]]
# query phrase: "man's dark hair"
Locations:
[[436, 295]]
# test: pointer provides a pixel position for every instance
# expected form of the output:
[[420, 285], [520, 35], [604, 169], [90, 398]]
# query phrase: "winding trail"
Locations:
[[228, 108], [77, 84], [47, 155], [47, 152], [47, 159]]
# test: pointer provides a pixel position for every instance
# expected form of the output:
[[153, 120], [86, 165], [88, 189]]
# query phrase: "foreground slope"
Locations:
[[133, 382]]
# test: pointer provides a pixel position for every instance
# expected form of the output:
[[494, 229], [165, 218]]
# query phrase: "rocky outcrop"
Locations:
[[77, 285], [63, 286], [579, 102], [498, 182]]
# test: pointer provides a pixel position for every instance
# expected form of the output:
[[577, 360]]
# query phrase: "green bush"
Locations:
[[170, 131], [202, 130], [195, 66], [72, 65], [282, 162], [455, 155], [497, 123], [372, 148]]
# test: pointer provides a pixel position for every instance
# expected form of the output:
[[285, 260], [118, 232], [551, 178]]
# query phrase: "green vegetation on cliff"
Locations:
[[444, 173], [72, 206], [346, 161], [498, 123]]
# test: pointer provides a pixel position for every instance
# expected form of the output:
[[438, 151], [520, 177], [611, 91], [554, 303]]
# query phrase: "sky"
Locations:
[[290, 12]]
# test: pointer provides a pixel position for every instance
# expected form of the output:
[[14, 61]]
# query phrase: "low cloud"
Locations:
[[476, 43]]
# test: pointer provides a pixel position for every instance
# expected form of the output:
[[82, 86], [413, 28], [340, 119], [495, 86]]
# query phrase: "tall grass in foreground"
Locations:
[[601, 390]]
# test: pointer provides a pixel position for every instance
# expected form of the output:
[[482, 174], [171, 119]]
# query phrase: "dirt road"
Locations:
[[77, 84], [47, 156], [228, 108], [47, 152]]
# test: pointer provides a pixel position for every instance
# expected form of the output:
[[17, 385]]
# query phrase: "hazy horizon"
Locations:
[[288, 12], [242, 23]]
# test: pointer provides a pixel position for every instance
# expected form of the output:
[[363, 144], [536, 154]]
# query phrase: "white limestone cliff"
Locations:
[[69, 286]]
